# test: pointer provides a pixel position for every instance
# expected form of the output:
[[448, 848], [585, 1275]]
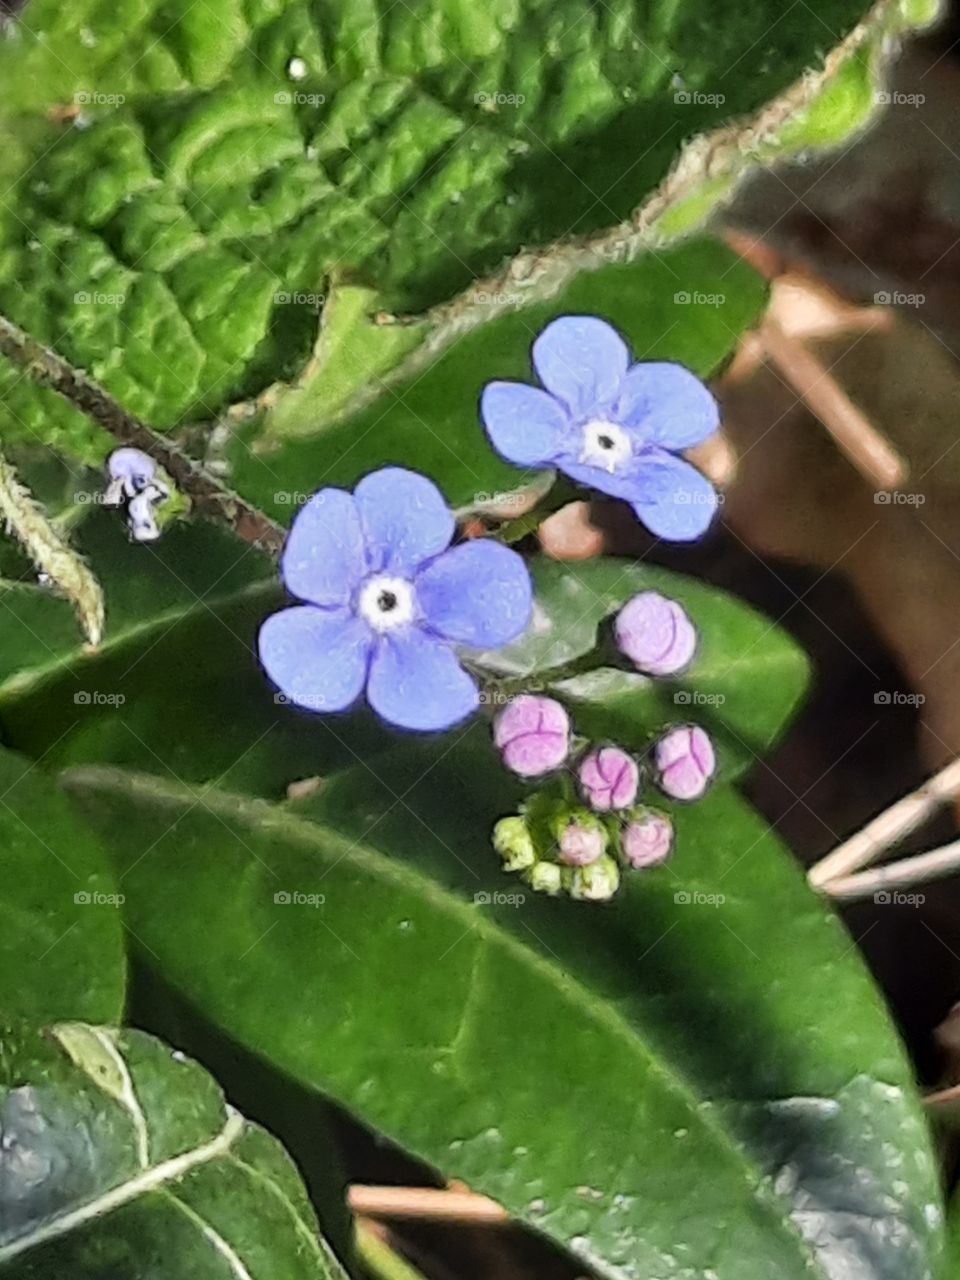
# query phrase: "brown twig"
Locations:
[[902, 874], [210, 498], [888, 828], [426, 1202], [854, 433]]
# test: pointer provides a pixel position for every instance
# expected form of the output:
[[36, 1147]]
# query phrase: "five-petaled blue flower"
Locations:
[[387, 599], [609, 424]]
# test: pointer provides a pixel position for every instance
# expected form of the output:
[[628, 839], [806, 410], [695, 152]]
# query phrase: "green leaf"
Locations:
[[149, 588], [61, 943], [230, 158], [597, 1070], [428, 418], [128, 1160], [746, 680]]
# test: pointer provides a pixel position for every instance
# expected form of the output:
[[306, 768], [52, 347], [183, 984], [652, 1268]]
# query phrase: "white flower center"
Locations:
[[387, 602], [605, 445]]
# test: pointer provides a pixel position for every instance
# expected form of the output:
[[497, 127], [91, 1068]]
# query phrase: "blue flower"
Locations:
[[387, 598], [609, 424]]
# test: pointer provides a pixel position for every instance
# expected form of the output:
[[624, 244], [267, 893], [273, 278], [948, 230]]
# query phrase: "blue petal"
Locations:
[[478, 594], [405, 518], [667, 404], [582, 361], [323, 559], [623, 484], [416, 682], [524, 424], [673, 499], [317, 657]]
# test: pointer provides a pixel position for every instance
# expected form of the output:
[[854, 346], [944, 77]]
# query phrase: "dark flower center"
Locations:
[[386, 601], [605, 442]]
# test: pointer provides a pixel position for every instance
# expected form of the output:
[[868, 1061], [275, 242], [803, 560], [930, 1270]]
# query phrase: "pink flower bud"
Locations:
[[533, 733], [648, 840], [609, 779], [685, 762], [656, 634], [581, 845]]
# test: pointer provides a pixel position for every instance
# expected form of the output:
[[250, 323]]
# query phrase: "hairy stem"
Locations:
[[211, 499]]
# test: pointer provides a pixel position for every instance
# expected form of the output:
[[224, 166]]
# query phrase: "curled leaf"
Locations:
[[50, 553]]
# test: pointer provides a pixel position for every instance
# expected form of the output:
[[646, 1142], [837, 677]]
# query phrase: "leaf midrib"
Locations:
[[158, 1176]]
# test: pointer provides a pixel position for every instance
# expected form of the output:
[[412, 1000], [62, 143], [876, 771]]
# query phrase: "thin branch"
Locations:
[[934, 865], [426, 1202], [854, 433], [888, 828], [210, 498]]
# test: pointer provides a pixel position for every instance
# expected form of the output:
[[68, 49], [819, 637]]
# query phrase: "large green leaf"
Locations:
[[124, 1159], [233, 163], [674, 1084], [61, 947]]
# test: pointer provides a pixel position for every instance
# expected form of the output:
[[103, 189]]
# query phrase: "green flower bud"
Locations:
[[513, 842], [595, 883], [544, 877]]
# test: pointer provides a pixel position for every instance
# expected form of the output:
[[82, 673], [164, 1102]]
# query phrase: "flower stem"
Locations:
[[380, 1261]]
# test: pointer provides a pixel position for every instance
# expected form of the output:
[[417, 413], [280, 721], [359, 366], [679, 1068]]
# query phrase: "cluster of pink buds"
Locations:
[[579, 840]]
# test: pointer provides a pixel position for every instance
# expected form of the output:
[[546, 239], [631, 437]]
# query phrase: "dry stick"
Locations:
[[896, 875], [853, 432], [888, 828], [425, 1202], [210, 498]]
